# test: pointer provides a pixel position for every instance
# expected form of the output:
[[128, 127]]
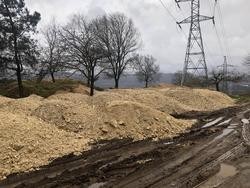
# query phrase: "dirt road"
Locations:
[[214, 153]]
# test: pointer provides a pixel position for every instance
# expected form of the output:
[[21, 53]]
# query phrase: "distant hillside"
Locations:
[[130, 81], [126, 81]]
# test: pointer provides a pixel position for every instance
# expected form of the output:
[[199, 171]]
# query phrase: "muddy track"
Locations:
[[184, 161]]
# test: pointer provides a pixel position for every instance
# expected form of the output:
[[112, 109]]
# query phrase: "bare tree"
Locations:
[[146, 69], [218, 76], [84, 52], [53, 51], [119, 39]]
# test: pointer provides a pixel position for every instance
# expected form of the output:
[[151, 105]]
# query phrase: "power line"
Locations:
[[210, 6], [208, 51], [223, 43], [168, 11], [216, 30], [219, 39], [173, 17], [224, 31], [212, 10], [215, 3]]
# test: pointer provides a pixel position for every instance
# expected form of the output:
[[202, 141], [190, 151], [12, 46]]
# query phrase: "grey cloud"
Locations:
[[160, 35], [95, 12]]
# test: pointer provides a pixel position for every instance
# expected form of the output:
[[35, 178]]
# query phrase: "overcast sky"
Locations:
[[160, 34]]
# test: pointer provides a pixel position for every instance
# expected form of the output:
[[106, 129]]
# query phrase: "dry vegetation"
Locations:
[[44, 88], [35, 130]]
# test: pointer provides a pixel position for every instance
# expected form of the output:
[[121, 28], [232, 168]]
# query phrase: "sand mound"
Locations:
[[198, 99], [34, 130], [67, 115], [70, 97], [131, 119], [215, 98], [171, 100], [91, 115], [164, 85], [110, 119], [4, 100], [23, 106], [28, 143], [81, 89]]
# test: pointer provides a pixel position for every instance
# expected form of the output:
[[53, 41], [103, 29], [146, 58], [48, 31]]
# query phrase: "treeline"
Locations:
[[104, 45]]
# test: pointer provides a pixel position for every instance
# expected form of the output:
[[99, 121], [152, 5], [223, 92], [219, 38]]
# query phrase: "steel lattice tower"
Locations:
[[225, 75], [195, 60], [225, 72]]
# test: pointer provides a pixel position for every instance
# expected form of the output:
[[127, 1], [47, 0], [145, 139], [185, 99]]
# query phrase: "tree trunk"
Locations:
[[18, 70], [89, 79], [217, 87], [19, 81], [88, 82], [116, 83], [146, 84], [52, 77], [92, 82], [17, 62]]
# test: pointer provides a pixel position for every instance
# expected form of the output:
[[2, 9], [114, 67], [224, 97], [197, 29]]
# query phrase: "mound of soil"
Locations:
[[198, 99], [74, 116], [4, 100], [27, 143], [131, 119], [173, 100], [24, 106], [115, 119], [34, 130]]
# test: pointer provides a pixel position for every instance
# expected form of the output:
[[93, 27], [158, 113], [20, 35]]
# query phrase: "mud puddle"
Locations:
[[210, 124], [97, 185], [223, 134], [225, 122], [226, 171]]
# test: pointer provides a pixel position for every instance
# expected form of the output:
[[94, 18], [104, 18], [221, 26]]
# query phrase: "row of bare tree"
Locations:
[[216, 78], [104, 45]]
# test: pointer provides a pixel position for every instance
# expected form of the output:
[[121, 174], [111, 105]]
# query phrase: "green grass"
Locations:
[[241, 98], [9, 88]]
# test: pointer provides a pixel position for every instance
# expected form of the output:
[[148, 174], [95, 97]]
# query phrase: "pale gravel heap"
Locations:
[[34, 130], [27, 142]]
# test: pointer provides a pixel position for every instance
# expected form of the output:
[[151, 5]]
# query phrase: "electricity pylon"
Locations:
[[225, 72], [195, 60], [225, 75]]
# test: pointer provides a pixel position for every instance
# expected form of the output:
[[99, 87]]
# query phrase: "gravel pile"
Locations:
[[34, 130]]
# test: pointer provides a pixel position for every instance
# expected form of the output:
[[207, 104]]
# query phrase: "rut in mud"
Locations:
[[193, 159]]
